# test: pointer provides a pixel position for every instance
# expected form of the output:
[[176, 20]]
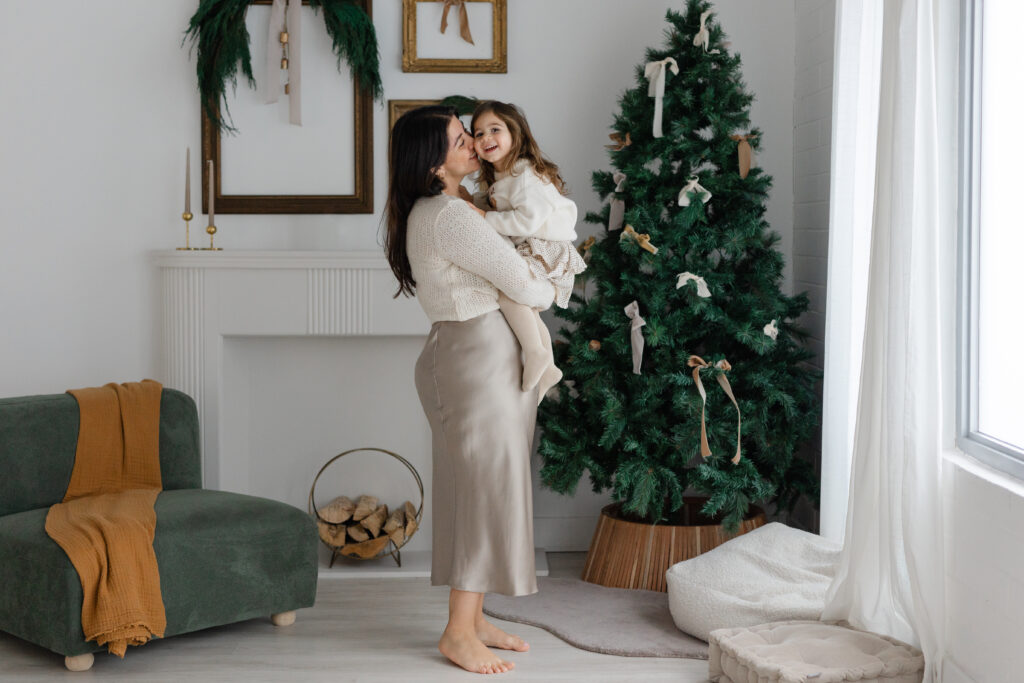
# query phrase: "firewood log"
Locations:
[[364, 507], [395, 527], [410, 519], [367, 548], [331, 534], [357, 532], [374, 522], [338, 510]]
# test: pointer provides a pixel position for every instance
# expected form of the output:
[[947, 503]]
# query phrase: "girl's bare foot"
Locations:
[[492, 636], [471, 654]]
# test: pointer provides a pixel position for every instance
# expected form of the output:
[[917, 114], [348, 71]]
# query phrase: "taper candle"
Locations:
[[209, 167], [188, 196]]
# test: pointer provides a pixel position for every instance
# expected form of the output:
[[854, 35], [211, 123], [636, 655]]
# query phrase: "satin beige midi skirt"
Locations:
[[468, 378]]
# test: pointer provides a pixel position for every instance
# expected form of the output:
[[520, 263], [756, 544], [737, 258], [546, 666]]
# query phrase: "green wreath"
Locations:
[[218, 26]]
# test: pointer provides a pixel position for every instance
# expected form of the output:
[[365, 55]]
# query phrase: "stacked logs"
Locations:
[[363, 528]]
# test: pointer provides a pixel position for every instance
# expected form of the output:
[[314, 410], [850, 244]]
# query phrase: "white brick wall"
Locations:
[[812, 131]]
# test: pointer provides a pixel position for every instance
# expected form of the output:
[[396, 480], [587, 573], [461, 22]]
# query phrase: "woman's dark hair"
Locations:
[[417, 147]]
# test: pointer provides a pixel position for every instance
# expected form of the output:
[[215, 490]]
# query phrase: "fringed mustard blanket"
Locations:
[[106, 522]]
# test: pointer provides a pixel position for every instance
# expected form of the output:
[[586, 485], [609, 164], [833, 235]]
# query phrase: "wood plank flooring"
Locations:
[[360, 630]]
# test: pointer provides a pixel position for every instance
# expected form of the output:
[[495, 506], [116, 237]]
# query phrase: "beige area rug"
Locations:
[[613, 621]]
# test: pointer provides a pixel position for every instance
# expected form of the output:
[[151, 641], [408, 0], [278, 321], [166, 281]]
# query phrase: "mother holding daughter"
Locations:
[[480, 404]]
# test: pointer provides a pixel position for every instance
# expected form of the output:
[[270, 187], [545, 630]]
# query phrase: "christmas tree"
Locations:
[[683, 283]]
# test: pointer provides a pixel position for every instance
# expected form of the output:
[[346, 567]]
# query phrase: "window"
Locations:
[[991, 377]]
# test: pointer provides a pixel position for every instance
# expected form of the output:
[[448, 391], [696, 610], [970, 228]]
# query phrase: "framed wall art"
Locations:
[[454, 36], [268, 166], [398, 107]]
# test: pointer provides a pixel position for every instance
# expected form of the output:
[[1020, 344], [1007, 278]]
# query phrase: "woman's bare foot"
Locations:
[[492, 636], [471, 654]]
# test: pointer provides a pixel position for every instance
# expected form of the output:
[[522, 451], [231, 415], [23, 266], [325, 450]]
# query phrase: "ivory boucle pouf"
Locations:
[[810, 652], [774, 573]]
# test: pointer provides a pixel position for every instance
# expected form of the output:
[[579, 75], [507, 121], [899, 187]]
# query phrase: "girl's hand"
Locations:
[[476, 208], [464, 193], [494, 204]]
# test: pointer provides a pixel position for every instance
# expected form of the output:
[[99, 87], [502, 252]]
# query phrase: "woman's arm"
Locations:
[[468, 242]]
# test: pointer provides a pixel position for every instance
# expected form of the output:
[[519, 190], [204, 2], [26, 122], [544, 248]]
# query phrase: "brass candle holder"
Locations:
[[187, 216], [211, 230]]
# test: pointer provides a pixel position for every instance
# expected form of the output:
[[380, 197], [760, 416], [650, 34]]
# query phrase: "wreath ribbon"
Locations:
[[698, 363], [285, 13]]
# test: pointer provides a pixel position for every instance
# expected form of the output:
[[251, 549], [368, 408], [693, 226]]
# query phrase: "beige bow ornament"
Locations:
[[703, 37], [643, 239], [463, 19], [745, 153], [617, 207], [698, 364]]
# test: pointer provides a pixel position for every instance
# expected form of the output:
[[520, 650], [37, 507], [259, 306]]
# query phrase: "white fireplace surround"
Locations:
[[209, 296]]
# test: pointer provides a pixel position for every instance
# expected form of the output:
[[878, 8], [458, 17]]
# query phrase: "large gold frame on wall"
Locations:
[[498, 63], [361, 199]]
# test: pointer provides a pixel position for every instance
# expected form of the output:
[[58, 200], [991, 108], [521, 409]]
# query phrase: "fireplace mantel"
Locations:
[[208, 296]]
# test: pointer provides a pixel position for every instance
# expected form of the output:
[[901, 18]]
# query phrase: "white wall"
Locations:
[[99, 109], [984, 578]]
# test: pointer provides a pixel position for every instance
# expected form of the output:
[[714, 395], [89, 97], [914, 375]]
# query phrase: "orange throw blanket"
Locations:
[[107, 521]]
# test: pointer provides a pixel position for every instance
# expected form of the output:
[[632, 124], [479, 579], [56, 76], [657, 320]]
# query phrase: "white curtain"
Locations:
[[891, 574]]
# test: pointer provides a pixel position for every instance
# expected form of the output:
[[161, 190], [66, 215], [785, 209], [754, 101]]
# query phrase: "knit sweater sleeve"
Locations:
[[466, 239]]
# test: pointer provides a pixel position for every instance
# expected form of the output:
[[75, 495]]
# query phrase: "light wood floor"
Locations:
[[359, 630]]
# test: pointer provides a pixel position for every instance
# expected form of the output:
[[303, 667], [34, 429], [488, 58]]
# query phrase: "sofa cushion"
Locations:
[[223, 557], [810, 652], [38, 435]]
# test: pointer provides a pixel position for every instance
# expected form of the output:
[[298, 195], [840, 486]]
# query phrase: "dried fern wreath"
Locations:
[[218, 27]]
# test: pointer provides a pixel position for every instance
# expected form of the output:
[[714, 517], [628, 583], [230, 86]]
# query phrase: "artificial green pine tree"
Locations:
[[639, 434]]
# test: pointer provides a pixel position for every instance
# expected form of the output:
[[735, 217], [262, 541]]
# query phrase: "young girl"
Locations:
[[523, 197]]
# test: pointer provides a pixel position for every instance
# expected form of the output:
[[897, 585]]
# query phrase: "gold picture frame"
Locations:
[[398, 107], [359, 201], [498, 63]]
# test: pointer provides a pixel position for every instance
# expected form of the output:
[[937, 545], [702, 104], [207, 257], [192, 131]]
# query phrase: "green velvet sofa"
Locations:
[[223, 557]]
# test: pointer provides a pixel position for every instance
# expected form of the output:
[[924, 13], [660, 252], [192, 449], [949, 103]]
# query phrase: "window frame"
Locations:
[[1002, 456]]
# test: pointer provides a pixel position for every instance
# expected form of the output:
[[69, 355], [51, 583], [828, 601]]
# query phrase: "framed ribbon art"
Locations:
[[454, 36], [299, 139]]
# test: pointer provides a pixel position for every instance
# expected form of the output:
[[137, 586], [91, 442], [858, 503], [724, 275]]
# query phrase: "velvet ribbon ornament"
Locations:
[[463, 19], [698, 364]]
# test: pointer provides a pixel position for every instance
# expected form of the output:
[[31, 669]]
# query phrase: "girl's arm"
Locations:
[[468, 242], [530, 208]]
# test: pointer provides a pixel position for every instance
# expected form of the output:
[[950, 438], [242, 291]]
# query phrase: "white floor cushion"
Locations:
[[772, 573], [810, 652]]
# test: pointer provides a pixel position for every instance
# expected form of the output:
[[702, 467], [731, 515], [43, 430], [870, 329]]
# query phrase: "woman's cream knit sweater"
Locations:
[[459, 262]]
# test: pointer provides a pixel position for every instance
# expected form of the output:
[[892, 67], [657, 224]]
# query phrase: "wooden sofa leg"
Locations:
[[283, 618], [79, 662]]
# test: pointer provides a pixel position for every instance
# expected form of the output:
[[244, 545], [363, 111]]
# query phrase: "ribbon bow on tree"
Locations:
[[617, 207], [619, 141], [702, 285], [703, 37], [693, 186], [745, 153], [643, 239], [636, 335], [698, 363], [655, 73], [463, 19]]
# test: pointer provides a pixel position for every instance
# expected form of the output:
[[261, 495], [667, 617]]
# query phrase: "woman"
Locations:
[[468, 379]]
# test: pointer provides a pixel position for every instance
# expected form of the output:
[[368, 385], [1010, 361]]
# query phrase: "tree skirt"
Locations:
[[613, 621]]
